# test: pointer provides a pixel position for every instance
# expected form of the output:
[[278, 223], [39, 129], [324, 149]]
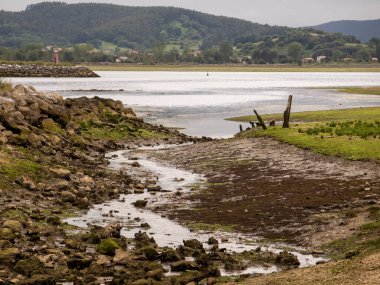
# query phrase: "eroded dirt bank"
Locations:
[[272, 189]]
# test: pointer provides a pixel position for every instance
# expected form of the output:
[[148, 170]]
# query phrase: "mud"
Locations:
[[268, 188]]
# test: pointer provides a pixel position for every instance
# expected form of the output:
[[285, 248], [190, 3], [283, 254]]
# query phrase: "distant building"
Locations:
[[122, 59], [56, 55], [321, 58]]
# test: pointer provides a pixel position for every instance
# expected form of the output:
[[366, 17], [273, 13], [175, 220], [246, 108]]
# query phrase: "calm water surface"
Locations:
[[199, 103]]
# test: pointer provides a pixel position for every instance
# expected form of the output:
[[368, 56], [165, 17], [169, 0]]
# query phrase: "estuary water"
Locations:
[[199, 102]]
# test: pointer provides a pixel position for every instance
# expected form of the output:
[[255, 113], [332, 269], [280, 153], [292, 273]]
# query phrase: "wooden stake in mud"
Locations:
[[287, 112], [260, 120]]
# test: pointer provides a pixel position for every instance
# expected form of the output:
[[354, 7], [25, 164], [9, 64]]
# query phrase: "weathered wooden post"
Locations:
[[241, 128], [287, 113], [260, 120]]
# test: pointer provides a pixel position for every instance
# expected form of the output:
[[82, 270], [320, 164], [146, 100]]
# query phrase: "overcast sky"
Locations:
[[274, 12]]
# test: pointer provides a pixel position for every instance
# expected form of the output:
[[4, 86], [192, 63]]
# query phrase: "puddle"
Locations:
[[167, 232]]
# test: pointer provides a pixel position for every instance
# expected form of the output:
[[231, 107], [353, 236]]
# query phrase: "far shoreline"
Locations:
[[236, 68]]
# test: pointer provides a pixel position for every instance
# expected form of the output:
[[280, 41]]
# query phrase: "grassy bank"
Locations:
[[237, 68], [353, 134], [362, 90], [371, 113]]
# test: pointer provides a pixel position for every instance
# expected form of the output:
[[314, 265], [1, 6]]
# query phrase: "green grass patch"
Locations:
[[353, 148], [362, 90], [370, 113], [12, 167]]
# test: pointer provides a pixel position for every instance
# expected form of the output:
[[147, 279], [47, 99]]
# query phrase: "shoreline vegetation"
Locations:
[[350, 133], [237, 68]]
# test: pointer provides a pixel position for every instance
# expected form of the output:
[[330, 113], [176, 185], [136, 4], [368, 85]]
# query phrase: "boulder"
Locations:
[[14, 225], [8, 256], [26, 182], [153, 188], [68, 197], [183, 265], [140, 203], [122, 257], [29, 267], [287, 259], [170, 255]]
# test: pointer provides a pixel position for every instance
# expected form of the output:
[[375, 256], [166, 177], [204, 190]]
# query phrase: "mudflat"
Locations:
[[272, 189]]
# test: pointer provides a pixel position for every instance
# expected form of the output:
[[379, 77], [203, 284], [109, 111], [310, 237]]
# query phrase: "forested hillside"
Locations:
[[133, 27], [108, 33]]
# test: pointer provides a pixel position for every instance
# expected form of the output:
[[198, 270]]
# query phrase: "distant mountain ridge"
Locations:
[[363, 30]]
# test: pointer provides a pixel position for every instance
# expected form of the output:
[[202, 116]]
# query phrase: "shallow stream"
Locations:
[[165, 231]]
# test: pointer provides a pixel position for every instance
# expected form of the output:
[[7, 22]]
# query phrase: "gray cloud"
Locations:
[[274, 12]]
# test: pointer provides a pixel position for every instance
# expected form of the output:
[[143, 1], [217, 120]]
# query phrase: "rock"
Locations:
[[157, 274], [142, 282], [4, 244], [29, 267], [287, 259], [79, 263], [6, 234], [143, 240], [140, 203], [122, 257], [53, 220], [170, 255], [86, 180], [68, 197], [61, 172], [108, 247], [212, 240], [113, 230], [103, 260], [38, 279], [8, 256], [14, 225], [193, 244], [139, 186], [51, 127], [150, 253], [26, 182], [135, 164], [153, 188], [183, 265]]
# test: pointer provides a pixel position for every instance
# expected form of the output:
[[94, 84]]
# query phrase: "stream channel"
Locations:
[[165, 231]]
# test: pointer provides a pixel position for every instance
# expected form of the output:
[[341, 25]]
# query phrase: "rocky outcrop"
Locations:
[[35, 70]]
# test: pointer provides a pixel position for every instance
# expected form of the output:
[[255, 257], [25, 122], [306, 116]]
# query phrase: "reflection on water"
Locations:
[[198, 103]]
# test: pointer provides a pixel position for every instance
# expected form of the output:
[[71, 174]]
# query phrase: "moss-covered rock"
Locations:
[[108, 246], [29, 267], [49, 126], [8, 256]]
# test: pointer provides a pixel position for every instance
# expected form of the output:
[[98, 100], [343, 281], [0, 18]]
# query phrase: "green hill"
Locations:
[[91, 32], [134, 27]]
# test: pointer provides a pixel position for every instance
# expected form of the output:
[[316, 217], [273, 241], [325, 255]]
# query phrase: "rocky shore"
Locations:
[[35, 70], [53, 165]]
